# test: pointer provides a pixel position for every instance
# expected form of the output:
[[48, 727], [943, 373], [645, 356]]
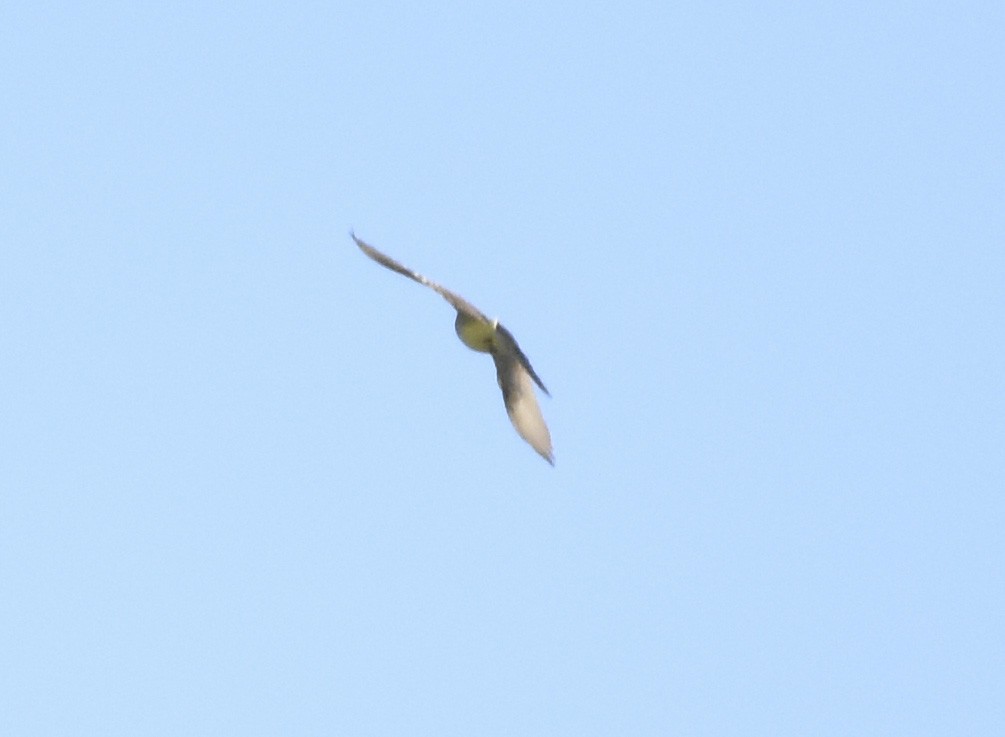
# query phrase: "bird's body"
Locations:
[[514, 373], [475, 334]]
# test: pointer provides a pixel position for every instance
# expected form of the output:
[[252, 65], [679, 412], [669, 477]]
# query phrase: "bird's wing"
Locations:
[[506, 343], [456, 301], [521, 404]]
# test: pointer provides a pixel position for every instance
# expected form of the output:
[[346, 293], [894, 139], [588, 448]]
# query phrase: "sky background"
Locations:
[[252, 484]]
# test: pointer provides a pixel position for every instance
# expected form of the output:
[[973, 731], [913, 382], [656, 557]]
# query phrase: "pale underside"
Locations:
[[514, 373]]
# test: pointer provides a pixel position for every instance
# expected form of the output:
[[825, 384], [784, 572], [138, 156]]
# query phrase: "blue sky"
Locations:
[[253, 484]]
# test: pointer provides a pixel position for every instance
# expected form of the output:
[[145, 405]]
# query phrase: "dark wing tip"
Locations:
[[362, 244], [378, 256]]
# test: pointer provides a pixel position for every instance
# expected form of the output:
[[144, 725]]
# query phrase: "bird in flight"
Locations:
[[514, 373]]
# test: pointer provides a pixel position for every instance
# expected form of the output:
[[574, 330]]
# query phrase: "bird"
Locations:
[[515, 375]]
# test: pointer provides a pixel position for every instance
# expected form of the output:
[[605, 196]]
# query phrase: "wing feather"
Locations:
[[521, 404], [506, 343], [456, 301]]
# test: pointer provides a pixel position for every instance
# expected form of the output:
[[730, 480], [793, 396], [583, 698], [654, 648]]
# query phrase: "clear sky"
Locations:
[[252, 484]]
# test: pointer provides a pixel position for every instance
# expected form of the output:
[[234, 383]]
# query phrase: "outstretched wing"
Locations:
[[521, 404], [456, 301]]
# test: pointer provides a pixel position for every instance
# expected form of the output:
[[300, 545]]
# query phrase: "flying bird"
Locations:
[[514, 373]]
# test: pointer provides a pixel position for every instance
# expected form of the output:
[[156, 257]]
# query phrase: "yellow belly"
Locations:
[[475, 334]]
